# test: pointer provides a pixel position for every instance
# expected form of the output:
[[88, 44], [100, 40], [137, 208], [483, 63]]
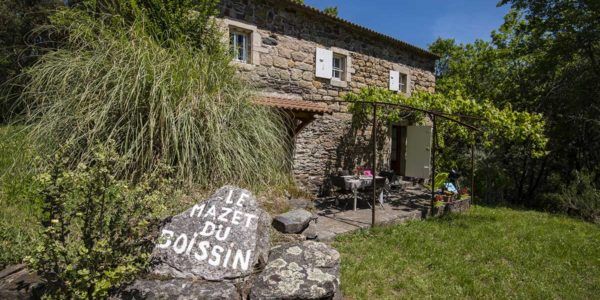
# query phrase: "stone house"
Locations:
[[297, 54]]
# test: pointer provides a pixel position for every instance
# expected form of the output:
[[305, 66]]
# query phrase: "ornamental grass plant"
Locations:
[[166, 102]]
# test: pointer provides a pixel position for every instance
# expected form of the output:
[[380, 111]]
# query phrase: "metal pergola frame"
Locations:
[[432, 116]]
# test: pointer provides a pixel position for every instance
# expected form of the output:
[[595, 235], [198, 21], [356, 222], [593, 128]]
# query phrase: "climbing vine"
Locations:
[[502, 129]]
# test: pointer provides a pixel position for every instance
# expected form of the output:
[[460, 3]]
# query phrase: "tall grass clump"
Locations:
[[19, 211], [173, 103]]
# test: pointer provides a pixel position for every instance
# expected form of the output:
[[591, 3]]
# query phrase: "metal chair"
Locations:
[[341, 193], [394, 180], [381, 184]]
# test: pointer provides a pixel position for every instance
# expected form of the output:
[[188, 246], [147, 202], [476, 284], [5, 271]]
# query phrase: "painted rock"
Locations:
[[224, 237]]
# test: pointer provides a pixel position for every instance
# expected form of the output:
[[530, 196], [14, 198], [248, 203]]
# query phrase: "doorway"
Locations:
[[398, 153]]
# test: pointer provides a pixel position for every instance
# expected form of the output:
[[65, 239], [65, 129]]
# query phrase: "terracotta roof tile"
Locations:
[[293, 104]]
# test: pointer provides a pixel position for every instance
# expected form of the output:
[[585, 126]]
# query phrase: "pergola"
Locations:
[[433, 116]]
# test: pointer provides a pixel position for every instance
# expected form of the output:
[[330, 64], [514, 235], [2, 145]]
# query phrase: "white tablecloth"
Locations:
[[352, 183]]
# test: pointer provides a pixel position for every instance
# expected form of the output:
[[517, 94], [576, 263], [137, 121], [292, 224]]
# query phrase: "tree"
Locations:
[[332, 11], [18, 42], [543, 59]]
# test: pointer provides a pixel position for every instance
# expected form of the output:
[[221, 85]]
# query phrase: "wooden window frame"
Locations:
[[234, 36]]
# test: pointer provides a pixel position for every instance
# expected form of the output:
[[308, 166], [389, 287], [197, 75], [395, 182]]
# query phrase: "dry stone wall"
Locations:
[[285, 39]]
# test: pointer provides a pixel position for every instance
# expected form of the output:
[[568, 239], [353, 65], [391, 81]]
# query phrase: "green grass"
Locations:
[[19, 226], [488, 253]]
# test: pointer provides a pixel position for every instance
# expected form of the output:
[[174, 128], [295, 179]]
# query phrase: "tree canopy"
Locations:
[[20, 41], [543, 59]]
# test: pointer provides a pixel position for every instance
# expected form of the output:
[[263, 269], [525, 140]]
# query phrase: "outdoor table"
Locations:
[[351, 183]]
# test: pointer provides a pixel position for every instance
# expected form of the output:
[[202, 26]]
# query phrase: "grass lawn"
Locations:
[[488, 253], [19, 225]]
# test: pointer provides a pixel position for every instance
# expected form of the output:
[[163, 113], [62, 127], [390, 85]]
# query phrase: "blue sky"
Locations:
[[420, 22]]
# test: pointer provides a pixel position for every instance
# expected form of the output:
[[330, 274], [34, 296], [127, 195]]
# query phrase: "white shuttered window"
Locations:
[[339, 67], [403, 83], [324, 63]]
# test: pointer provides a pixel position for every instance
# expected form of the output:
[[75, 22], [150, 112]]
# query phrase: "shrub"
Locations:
[[579, 197], [159, 101], [97, 228]]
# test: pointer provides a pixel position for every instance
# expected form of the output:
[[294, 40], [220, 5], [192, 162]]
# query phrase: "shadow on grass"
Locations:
[[464, 219], [529, 209], [509, 205]]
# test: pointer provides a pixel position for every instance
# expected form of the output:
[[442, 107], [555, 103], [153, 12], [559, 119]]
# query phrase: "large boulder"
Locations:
[[294, 221], [181, 289], [307, 270], [224, 237]]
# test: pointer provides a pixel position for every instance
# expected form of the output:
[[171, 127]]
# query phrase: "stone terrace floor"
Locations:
[[400, 206]]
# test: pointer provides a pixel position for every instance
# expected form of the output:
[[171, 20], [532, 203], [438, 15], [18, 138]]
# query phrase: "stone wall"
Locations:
[[285, 39], [458, 206]]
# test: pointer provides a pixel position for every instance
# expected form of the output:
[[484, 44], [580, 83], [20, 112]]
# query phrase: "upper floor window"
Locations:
[[335, 65], [400, 80], [240, 45], [339, 67], [403, 82]]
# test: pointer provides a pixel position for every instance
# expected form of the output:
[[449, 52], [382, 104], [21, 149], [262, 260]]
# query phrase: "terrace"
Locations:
[[374, 198]]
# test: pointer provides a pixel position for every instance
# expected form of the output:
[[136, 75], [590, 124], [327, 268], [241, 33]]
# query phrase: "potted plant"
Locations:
[[358, 171], [439, 201]]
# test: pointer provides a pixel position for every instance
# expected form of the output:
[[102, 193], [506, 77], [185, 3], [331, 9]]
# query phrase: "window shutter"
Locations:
[[394, 81], [324, 64]]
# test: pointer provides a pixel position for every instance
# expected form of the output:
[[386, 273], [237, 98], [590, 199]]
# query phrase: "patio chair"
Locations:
[[340, 192], [394, 180], [381, 184]]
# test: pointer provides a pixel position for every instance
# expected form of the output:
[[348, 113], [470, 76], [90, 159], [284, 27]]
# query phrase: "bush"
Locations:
[[97, 228], [580, 197], [175, 103]]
